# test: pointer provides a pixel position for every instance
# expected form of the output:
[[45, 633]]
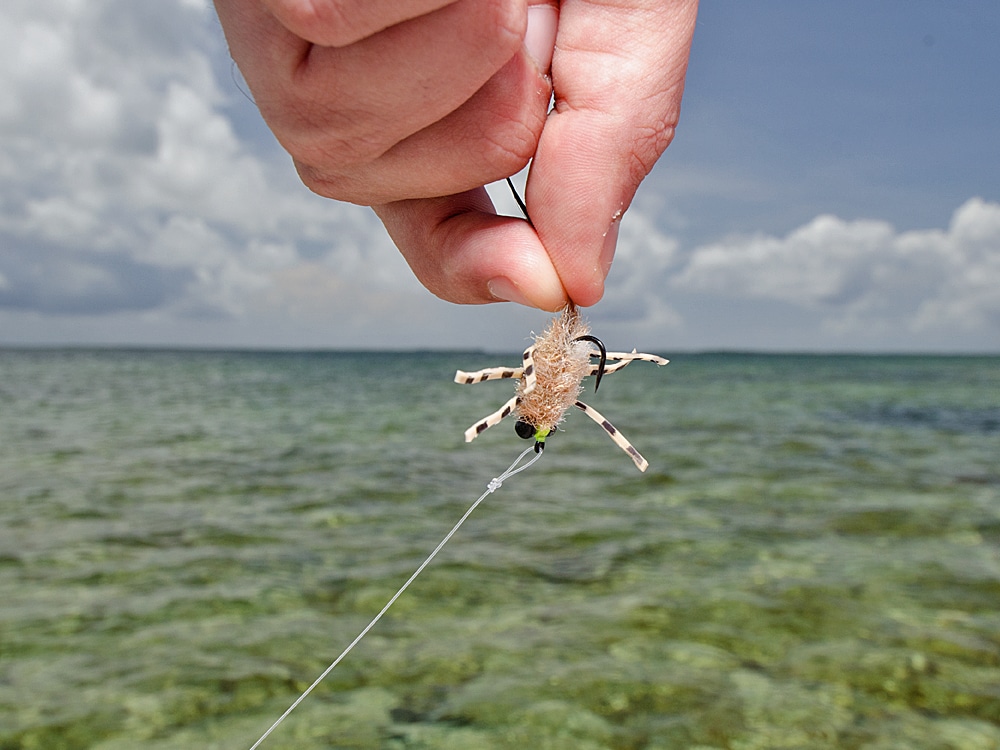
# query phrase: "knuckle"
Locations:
[[322, 22], [318, 182], [335, 168], [342, 150], [508, 21], [340, 187], [330, 140]]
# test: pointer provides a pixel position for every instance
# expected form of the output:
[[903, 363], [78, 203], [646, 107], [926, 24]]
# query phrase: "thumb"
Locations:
[[616, 110]]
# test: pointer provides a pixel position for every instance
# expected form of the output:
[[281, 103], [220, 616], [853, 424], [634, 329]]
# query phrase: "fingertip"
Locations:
[[464, 253], [506, 290], [587, 293]]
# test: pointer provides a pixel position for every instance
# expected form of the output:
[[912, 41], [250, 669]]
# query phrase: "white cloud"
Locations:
[[864, 274], [120, 163], [969, 291], [819, 263]]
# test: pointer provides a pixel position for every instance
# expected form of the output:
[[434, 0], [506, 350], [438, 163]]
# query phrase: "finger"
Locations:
[[337, 23], [352, 104], [331, 107], [463, 252], [616, 109], [493, 134]]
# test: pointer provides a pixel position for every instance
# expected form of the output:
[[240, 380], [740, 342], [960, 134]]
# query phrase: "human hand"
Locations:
[[411, 105]]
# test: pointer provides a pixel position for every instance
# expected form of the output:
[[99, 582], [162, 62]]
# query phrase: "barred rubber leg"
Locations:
[[613, 433], [594, 369], [634, 355], [473, 432], [624, 359], [528, 370], [490, 373]]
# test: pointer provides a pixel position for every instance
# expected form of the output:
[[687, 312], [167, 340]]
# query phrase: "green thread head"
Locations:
[[540, 436]]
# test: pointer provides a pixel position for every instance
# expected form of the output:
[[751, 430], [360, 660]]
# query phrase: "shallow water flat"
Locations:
[[188, 538]]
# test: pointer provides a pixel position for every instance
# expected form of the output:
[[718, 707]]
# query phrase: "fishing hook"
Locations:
[[604, 357]]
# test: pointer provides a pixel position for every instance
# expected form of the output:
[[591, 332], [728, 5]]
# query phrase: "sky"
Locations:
[[834, 186]]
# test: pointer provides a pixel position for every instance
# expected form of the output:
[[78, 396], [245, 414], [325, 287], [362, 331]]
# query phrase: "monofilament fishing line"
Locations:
[[492, 487]]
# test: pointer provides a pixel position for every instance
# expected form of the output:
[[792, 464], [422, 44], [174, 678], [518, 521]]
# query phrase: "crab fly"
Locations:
[[550, 380]]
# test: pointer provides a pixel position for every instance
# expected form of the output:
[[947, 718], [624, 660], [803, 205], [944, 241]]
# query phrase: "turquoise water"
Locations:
[[188, 538]]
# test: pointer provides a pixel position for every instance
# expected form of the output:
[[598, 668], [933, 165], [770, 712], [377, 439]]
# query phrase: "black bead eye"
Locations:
[[524, 430]]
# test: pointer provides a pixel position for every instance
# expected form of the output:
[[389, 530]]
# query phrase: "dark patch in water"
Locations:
[[984, 421]]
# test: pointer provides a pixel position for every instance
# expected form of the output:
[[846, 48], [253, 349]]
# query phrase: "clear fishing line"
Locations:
[[492, 487]]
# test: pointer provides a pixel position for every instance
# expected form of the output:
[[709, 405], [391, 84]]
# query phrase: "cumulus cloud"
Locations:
[[123, 185], [863, 274]]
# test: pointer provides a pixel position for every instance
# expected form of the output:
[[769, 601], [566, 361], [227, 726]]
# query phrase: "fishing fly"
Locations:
[[550, 380]]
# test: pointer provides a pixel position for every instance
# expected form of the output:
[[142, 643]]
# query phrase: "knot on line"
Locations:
[[494, 484]]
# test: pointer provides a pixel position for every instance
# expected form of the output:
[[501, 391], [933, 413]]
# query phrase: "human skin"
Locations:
[[411, 106]]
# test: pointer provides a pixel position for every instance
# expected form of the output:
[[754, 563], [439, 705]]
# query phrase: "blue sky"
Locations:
[[881, 110], [833, 187]]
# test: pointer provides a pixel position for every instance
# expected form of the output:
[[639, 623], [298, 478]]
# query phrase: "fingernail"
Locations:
[[610, 244], [505, 290], [540, 38]]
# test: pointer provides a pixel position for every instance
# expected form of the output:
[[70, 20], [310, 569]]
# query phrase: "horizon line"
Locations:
[[271, 349]]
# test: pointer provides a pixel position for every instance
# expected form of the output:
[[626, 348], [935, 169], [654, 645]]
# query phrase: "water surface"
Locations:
[[188, 538]]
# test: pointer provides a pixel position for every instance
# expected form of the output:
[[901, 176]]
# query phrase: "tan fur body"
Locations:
[[561, 364]]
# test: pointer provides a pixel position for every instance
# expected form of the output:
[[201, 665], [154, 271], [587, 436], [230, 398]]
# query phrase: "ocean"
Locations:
[[188, 538]]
